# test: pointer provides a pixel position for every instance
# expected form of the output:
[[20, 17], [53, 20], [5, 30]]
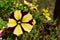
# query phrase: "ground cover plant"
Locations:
[[27, 20]]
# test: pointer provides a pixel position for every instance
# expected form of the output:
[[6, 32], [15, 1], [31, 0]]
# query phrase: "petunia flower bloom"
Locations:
[[46, 14], [20, 21]]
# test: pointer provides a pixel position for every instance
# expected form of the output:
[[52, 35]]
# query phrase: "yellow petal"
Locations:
[[18, 30], [11, 23], [33, 7], [17, 14], [27, 3], [27, 17], [46, 14], [27, 27], [34, 22], [45, 10]]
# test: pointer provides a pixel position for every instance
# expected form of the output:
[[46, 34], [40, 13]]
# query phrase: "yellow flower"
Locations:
[[30, 5], [20, 21], [27, 3], [34, 7], [46, 14]]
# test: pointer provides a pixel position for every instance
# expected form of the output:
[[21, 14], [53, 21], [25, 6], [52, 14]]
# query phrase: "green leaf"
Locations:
[[3, 23]]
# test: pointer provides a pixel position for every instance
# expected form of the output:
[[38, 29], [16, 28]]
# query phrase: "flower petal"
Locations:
[[33, 22], [11, 23], [17, 14], [18, 30], [27, 17], [27, 27], [45, 10]]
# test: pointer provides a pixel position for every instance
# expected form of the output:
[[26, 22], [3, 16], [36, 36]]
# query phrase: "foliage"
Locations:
[[3, 23], [43, 30]]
